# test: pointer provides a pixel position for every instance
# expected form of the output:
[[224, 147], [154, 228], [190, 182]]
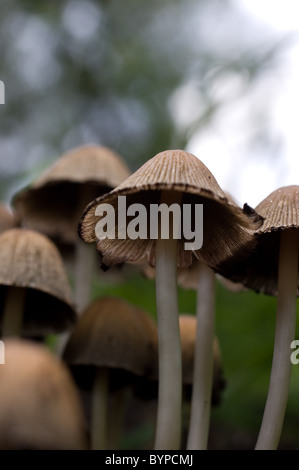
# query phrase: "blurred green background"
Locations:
[[113, 73]]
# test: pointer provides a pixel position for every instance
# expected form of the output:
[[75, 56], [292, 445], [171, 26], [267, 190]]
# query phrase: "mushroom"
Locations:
[[110, 347], [40, 406], [7, 219], [188, 327], [171, 177], [201, 279], [272, 269], [148, 388], [35, 294], [53, 204]]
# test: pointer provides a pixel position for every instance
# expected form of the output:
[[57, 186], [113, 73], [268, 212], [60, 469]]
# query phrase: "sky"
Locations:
[[251, 145], [250, 174]]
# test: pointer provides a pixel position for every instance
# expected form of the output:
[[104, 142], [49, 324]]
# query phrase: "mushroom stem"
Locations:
[[203, 361], [118, 408], [278, 391], [99, 409], [12, 321], [84, 271], [85, 264], [168, 427]]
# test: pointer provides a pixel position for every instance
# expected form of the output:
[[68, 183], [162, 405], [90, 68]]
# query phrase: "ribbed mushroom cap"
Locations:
[[31, 261], [7, 219], [259, 271], [225, 225], [40, 407], [54, 203], [280, 210], [111, 333]]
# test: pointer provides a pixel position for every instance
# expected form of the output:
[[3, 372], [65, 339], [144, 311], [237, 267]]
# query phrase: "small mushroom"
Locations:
[[188, 327], [35, 294], [54, 203], [40, 406], [272, 269], [109, 349], [171, 177]]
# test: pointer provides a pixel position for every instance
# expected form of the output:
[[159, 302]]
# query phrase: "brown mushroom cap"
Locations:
[[7, 219], [31, 261], [225, 225], [40, 407], [111, 333], [54, 202], [188, 278], [259, 271], [188, 338], [188, 324], [280, 210]]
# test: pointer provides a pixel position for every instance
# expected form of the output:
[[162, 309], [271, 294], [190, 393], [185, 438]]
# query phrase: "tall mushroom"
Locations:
[[40, 405], [188, 329], [174, 178], [35, 294], [201, 279], [110, 347], [272, 268], [53, 204]]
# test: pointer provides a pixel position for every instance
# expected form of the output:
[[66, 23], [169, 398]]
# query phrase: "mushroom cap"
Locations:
[[111, 333], [54, 203], [259, 270], [188, 278], [7, 219], [225, 225], [31, 261], [188, 323], [280, 210], [40, 407]]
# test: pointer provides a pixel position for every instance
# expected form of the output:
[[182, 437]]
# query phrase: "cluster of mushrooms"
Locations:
[[75, 396]]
